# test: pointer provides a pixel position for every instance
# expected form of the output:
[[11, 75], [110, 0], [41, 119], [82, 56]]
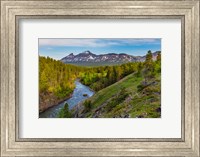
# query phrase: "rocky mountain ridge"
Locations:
[[88, 56]]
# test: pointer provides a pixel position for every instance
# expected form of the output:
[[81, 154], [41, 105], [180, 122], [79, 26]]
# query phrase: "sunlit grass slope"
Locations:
[[125, 99]]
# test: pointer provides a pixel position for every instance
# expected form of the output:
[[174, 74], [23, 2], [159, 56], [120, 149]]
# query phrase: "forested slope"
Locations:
[[56, 81]]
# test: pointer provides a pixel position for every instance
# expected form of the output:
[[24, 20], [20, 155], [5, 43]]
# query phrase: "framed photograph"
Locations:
[[100, 78], [98, 84]]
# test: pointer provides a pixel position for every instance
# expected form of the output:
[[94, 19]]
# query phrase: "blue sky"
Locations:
[[59, 48]]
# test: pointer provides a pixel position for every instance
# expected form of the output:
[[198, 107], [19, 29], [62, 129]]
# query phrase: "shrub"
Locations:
[[88, 105], [119, 98]]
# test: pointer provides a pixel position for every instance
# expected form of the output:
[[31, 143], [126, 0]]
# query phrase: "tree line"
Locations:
[[100, 77]]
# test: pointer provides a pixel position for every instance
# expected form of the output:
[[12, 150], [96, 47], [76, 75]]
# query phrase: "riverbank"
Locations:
[[76, 97], [50, 100]]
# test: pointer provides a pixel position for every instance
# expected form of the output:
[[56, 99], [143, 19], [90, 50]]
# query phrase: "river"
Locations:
[[77, 97]]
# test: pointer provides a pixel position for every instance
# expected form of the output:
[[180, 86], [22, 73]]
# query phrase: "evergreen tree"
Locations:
[[65, 113], [149, 67], [149, 57], [158, 58], [139, 69]]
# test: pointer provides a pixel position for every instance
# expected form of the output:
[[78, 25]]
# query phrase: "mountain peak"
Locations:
[[71, 54], [87, 52]]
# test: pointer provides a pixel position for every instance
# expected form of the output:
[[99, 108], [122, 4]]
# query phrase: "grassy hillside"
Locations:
[[125, 99], [130, 83]]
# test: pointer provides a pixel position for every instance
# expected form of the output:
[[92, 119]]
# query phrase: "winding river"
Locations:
[[77, 96]]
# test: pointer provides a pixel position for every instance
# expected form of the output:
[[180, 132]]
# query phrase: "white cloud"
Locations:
[[96, 42], [139, 41], [70, 42]]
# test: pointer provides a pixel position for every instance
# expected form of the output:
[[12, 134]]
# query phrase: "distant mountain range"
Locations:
[[87, 57]]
